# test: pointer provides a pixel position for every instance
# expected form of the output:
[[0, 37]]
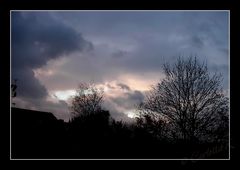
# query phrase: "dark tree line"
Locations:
[[183, 116]]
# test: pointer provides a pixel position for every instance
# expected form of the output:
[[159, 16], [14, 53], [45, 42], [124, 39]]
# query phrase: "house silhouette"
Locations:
[[35, 134]]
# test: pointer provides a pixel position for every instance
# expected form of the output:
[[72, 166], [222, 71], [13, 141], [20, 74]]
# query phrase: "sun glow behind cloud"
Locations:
[[63, 95], [131, 113], [140, 82]]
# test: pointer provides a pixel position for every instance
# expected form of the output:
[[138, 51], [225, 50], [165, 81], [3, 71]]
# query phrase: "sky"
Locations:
[[121, 52]]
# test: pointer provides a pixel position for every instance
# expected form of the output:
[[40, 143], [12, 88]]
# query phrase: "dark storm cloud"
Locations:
[[28, 85], [36, 39]]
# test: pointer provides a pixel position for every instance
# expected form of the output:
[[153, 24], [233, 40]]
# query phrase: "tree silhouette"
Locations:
[[87, 101], [14, 90], [90, 122], [189, 99]]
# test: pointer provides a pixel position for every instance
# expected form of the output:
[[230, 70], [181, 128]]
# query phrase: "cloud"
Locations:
[[123, 86], [136, 96], [27, 85], [110, 86], [198, 41], [129, 48], [119, 54], [140, 42], [128, 100], [36, 39], [117, 111]]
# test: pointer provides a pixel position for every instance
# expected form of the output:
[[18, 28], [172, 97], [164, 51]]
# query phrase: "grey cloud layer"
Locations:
[[129, 99], [134, 43], [141, 41]]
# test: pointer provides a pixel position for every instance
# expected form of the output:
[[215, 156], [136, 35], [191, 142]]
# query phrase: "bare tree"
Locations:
[[190, 98], [88, 100]]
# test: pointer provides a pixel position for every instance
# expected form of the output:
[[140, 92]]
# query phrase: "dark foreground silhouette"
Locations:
[[39, 135]]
